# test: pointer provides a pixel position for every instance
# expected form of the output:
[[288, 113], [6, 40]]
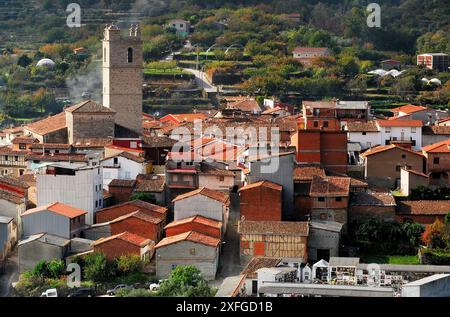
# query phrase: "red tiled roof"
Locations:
[[262, 184], [444, 120], [362, 126], [383, 148], [287, 228], [24, 140], [140, 205], [435, 130], [400, 123], [213, 194], [185, 117], [247, 105], [440, 147], [307, 172], [409, 109], [257, 263], [48, 125], [132, 157], [197, 219], [139, 215], [58, 208], [191, 236], [127, 237], [330, 186], [424, 207]]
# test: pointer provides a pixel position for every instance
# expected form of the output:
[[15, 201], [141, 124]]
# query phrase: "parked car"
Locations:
[[81, 292], [112, 292], [52, 292]]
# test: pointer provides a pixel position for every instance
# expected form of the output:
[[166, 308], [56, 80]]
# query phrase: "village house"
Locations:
[[203, 202], [330, 198], [434, 133], [23, 143], [121, 189], [122, 166], [306, 55], [303, 176], [12, 162], [116, 211], [261, 201], [184, 117], [153, 185], [382, 164], [10, 134], [123, 244], [77, 186], [198, 224], [13, 200], [410, 180], [371, 204], [57, 219], [277, 168], [428, 116], [156, 149], [189, 248], [273, 239], [434, 61], [438, 162], [324, 239], [365, 133], [182, 27], [41, 247], [8, 237], [215, 178], [422, 211], [407, 133], [246, 105]]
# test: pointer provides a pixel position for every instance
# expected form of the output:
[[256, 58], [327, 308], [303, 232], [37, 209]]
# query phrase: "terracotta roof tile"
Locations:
[[17, 182], [197, 219], [139, 215], [58, 208], [92, 142], [213, 194], [262, 184], [157, 142], [307, 172], [400, 123], [330, 186], [247, 105], [47, 146], [409, 109], [185, 117], [11, 197], [48, 125], [440, 147], [73, 157], [127, 237], [424, 207], [383, 148], [372, 198], [274, 228], [150, 183], [122, 183], [435, 130], [191, 236], [362, 126], [24, 140], [257, 263]]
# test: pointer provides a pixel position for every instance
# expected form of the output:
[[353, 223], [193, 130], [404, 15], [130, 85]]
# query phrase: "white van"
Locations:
[[50, 293]]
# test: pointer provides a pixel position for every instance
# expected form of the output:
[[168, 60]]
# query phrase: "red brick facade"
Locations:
[[116, 248], [120, 194], [261, 203], [138, 226], [194, 226]]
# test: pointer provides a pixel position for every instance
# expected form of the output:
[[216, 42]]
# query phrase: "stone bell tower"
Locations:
[[122, 76]]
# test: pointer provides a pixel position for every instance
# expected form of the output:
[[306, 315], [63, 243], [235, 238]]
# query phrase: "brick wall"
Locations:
[[120, 194], [194, 226], [137, 226], [261, 204]]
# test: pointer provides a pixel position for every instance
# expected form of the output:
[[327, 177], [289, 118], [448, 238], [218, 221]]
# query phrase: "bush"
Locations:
[[134, 293], [185, 281], [129, 264], [97, 269]]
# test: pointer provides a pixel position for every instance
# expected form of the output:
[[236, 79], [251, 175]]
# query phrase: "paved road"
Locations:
[[202, 80], [10, 276], [229, 258]]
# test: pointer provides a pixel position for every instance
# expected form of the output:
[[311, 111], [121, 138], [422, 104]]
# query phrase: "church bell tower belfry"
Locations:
[[123, 76]]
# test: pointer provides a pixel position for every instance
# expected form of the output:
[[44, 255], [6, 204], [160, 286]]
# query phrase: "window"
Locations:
[[338, 198], [321, 198], [6, 157], [325, 124], [96, 204], [387, 142], [413, 130], [413, 142], [174, 266], [16, 158], [403, 156], [192, 251], [96, 190], [323, 216], [116, 161], [22, 146], [100, 202], [21, 171], [133, 145], [436, 160], [222, 178], [56, 151], [364, 133], [130, 55]]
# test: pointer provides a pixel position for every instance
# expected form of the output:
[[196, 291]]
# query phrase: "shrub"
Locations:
[[129, 264], [185, 281], [97, 269]]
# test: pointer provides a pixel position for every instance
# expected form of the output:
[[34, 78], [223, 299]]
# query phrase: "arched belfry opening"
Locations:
[[130, 55]]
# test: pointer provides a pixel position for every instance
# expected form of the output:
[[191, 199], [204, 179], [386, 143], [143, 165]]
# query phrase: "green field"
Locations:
[[391, 259]]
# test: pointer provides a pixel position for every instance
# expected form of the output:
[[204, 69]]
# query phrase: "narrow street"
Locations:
[[229, 258], [10, 275], [202, 80]]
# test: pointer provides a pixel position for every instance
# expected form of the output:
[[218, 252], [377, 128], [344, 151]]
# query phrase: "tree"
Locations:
[[96, 268], [56, 268], [185, 281], [128, 264], [24, 61], [435, 235]]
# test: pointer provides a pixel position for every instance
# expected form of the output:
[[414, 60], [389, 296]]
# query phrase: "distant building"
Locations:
[[121, 190], [422, 211], [12, 162], [189, 248], [410, 179], [182, 27], [273, 239], [198, 224], [41, 247], [77, 186], [57, 219], [305, 55], [122, 166], [438, 162], [123, 244], [434, 61], [324, 240], [371, 204], [428, 116], [116, 211]]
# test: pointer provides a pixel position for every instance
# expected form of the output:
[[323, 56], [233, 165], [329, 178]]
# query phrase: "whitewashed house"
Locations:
[[401, 132], [366, 133], [122, 166]]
